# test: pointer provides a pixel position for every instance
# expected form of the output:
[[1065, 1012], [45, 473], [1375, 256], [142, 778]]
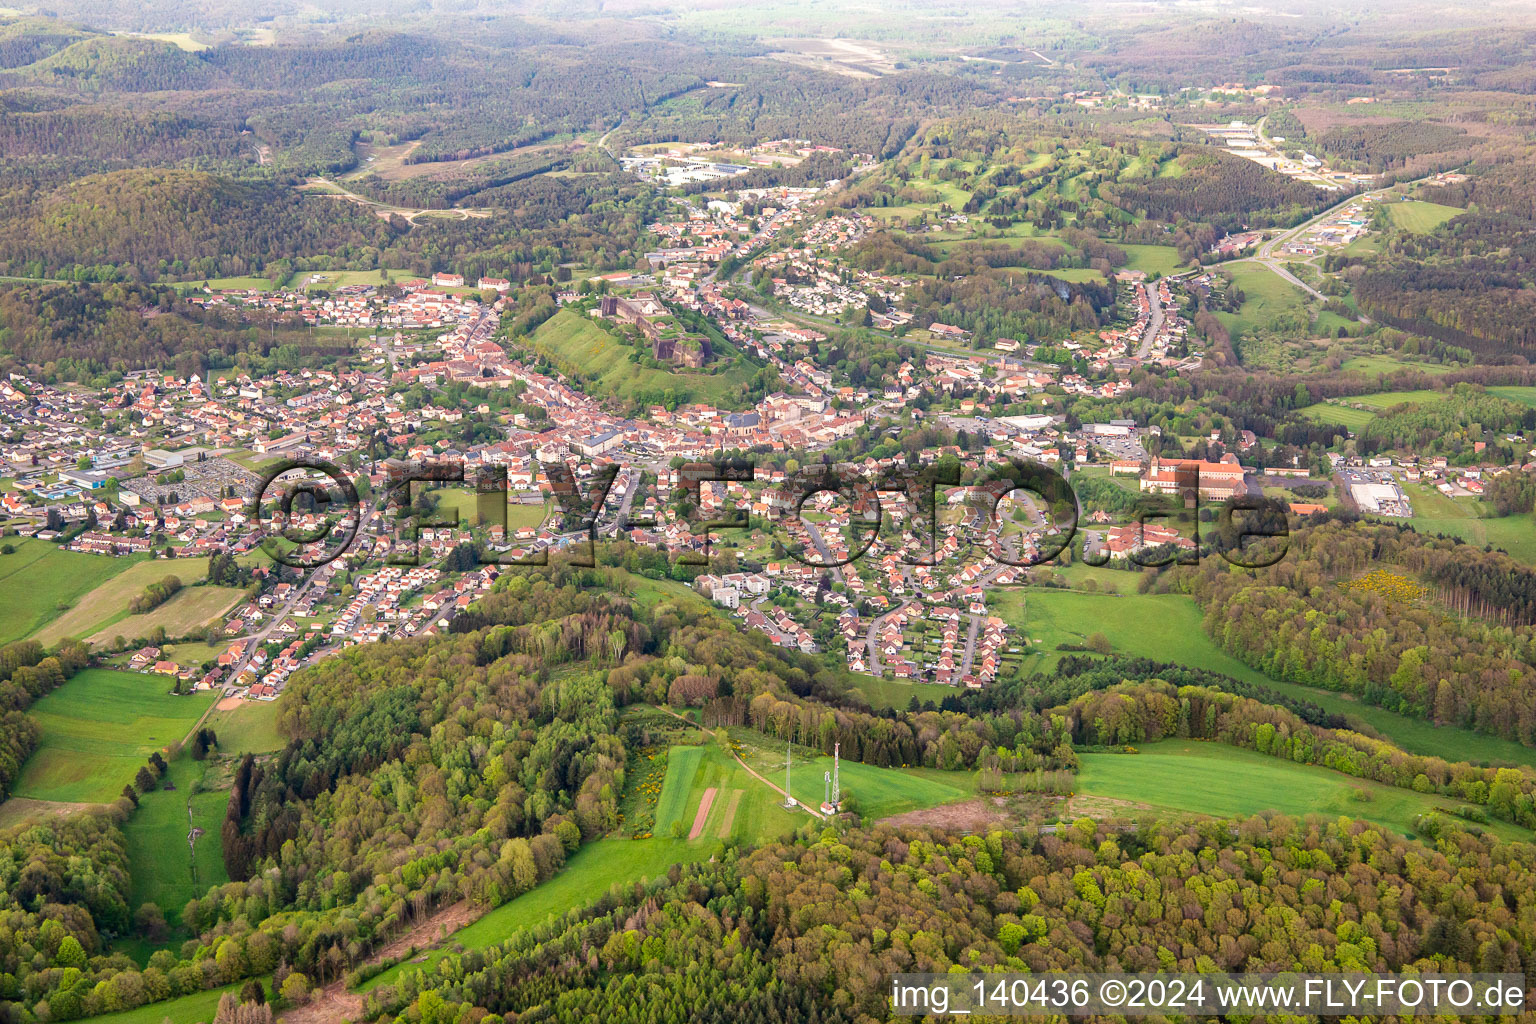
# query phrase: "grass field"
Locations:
[[468, 505], [1327, 412], [197, 1007], [41, 581], [1355, 419], [19, 809], [1153, 259], [1515, 393], [1215, 779], [1075, 274], [108, 602], [160, 866], [1387, 399], [1515, 534], [881, 792], [894, 693], [571, 340], [190, 610], [249, 729], [1380, 362], [753, 816], [682, 765], [332, 279], [1168, 627], [1267, 295], [98, 728], [1421, 217]]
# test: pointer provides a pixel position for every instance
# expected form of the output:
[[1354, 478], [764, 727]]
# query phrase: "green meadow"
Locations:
[[1214, 779], [883, 792], [484, 509], [1329, 412], [250, 728], [587, 875], [571, 341], [163, 867], [108, 603], [1421, 217], [1525, 395], [1152, 259], [98, 728], [1266, 295], [1169, 627], [197, 1007], [896, 693], [41, 581]]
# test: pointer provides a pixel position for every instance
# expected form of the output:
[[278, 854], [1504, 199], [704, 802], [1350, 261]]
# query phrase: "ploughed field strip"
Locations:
[[703, 813]]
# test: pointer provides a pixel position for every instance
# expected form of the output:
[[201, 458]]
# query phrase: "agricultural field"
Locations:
[[164, 868], [572, 341], [98, 728], [42, 581], [190, 610], [1214, 779], [707, 792], [108, 602], [1420, 217]]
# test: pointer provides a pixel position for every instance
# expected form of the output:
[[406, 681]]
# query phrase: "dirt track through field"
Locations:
[[730, 814], [698, 819]]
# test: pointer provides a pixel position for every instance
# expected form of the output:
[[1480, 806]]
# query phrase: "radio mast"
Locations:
[[837, 790], [834, 794], [789, 801]]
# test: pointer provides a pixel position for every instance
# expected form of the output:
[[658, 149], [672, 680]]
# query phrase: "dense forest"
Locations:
[[1221, 189], [1295, 621], [811, 931]]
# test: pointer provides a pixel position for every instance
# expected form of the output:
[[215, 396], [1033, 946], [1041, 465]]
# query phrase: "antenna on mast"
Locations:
[[834, 789]]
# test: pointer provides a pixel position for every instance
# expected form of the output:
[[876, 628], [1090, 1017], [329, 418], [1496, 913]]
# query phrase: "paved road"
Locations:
[[1154, 324], [969, 657], [1266, 252], [258, 640], [825, 552]]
